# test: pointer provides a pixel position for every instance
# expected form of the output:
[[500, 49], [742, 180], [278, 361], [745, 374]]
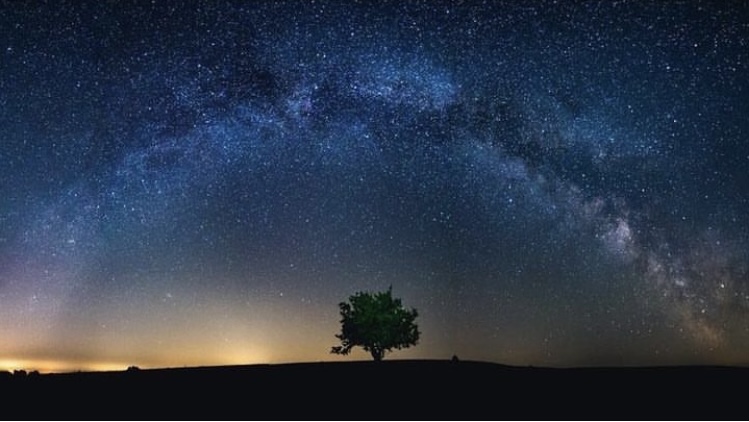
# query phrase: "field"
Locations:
[[386, 390]]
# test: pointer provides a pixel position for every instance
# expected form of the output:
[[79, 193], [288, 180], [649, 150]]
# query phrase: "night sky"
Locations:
[[547, 183]]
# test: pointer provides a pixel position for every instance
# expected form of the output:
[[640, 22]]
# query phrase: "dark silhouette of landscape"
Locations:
[[394, 389]]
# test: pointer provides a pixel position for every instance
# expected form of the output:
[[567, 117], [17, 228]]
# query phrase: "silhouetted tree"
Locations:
[[377, 322]]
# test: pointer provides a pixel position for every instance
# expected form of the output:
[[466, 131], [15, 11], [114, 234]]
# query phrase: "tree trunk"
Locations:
[[377, 354]]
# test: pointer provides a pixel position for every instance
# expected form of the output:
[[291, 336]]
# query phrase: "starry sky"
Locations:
[[547, 183]]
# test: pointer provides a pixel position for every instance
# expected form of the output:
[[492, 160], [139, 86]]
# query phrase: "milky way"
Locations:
[[548, 183]]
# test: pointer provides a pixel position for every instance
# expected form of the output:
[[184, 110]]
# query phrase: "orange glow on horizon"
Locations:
[[58, 366], [62, 366], [47, 365]]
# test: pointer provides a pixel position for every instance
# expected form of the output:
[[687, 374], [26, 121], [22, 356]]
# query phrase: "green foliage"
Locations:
[[377, 322]]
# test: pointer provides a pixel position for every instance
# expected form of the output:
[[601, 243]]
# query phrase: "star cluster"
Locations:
[[548, 183]]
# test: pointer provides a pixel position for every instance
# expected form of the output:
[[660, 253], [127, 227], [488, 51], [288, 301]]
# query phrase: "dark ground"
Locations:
[[389, 390]]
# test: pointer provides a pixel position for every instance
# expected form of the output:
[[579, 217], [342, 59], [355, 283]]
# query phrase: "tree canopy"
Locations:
[[377, 322]]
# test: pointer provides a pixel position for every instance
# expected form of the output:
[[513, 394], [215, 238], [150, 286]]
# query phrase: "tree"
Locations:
[[377, 322]]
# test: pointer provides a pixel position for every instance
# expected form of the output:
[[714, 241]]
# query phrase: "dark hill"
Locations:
[[386, 390]]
